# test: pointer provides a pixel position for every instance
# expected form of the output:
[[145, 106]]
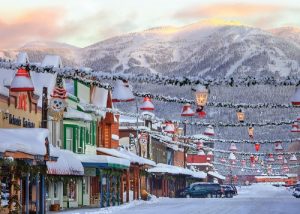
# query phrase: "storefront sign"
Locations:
[[17, 121]]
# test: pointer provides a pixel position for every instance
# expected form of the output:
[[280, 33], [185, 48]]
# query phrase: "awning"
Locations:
[[26, 140], [176, 170], [103, 161], [77, 115], [66, 164], [123, 153], [216, 175]]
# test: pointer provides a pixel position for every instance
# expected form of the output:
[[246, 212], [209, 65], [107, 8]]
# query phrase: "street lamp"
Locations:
[[201, 97], [240, 116]]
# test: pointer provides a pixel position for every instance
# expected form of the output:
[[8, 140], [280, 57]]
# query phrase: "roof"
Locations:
[[123, 153], [52, 61], [22, 58], [66, 164], [103, 161], [216, 175], [77, 115], [26, 140]]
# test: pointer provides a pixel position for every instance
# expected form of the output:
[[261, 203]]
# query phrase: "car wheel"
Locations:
[[230, 195], [209, 195], [188, 196]]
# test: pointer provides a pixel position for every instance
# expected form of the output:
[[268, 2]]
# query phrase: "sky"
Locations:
[[84, 22]]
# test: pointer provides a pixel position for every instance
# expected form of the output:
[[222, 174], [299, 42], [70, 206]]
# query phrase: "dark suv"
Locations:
[[229, 192], [198, 190]]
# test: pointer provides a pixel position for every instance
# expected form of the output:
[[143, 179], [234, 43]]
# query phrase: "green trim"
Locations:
[[73, 98], [76, 88]]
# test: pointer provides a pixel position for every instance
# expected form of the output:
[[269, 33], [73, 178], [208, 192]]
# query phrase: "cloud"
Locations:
[[38, 24], [260, 15]]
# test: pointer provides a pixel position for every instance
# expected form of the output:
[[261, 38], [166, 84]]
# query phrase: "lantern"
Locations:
[[293, 158], [295, 99], [187, 111], [257, 147], [295, 127], [285, 168], [147, 104], [232, 147], [122, 92], [240, 116], [209, 131], [21, 81], [232, 157], [210, 153], [252, 158], [169, 128], [278, 147], [271, 158], [284, 161], [280, 157], [201, 95], [251, 132]]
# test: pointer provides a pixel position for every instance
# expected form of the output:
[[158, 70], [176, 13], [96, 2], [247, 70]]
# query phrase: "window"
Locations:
[[72, 190], [69, 138], [55, 190]]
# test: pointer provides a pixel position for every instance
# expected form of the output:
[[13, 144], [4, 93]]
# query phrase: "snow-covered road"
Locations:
[[256, 199]]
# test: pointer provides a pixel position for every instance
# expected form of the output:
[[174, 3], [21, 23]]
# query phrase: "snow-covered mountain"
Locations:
[[200, 49]]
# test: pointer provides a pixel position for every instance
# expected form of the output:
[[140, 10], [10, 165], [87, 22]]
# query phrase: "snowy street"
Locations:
[[258, 198]]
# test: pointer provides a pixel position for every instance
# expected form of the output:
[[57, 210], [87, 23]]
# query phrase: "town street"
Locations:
[[256, 199]]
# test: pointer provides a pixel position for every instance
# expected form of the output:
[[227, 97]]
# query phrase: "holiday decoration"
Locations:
[[285, 168], [295, 127], [209, 131], [295, 99], [169, 128], [201, 113], [252, 158], [21, 81], [251, 132], [210, 153], [122, 92], [280, 157], [187, 111], [243, 162], [232, 157], [278, 147], [284, 161], [232, 147], [271, 158], [147, 105], [257, 147], [223, 160], [293, 158], [57, 103], [201, 95], [240, 116], [199, 145]]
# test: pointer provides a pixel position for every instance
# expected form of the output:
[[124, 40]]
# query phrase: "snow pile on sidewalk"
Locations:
[[114, 209], [261, 190]]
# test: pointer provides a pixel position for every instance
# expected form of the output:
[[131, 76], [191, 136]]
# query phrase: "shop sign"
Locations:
[[17, 121]]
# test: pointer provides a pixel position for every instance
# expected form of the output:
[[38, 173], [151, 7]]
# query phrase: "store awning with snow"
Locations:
[[25, 143], [103, 161], [66, 164]]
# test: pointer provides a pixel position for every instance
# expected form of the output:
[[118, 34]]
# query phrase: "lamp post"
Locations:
[[201, 97]]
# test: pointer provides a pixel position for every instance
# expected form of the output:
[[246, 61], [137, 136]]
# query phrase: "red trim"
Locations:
[[296, 103], [118, 100], [209, 134], [21, 89], [187, 115], [147, 109]]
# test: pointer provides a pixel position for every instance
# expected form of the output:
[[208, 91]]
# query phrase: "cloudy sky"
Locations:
[[84, 22]]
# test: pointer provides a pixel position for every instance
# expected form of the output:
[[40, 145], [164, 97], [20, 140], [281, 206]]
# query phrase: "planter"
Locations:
[[54, 207]]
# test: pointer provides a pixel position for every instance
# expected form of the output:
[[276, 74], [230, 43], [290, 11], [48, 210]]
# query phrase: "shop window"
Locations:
[[69, 138], [87, 136], [72, 190]]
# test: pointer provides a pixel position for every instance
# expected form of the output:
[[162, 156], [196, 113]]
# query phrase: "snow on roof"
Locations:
[[41, 80], [115, 137], [103, 159], [176, 170], [66, 164], [200, 164], [127, 119], [6, 76], [77, 115], [270, 176], [22, 58], [122, 153], [202, 137], [99, 99], [52, 61], [27, 140], [216, 174]]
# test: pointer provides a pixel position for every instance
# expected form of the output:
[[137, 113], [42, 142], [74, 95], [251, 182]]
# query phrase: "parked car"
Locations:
[[198, 190], [234, 189], [296, 192], [228, 191]]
